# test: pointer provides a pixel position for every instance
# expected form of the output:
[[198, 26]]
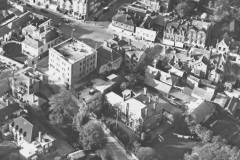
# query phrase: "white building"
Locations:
[[145, 34], [71, 61], [39, 36], [130, 110]]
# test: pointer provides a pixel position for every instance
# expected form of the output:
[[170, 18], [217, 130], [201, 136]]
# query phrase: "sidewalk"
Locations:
[[117, 144]]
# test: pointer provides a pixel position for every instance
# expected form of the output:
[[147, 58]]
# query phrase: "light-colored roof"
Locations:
[[135, 108], [74, 50], [113, 98], [102, 85], [203, 93]]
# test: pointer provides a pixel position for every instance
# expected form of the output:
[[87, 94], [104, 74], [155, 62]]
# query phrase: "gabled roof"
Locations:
[[124, 18], [204, 111], [159, 20], [28, 129], [4, 30]]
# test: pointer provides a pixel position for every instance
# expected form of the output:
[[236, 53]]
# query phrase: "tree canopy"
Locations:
[[185, 8], [63, 107], [146, 153], [92, 136]]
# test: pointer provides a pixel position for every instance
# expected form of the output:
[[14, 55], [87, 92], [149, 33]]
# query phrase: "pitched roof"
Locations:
[[27, 128], [233, 104], [159, 20], [124, 18], [204, 111], [203, 93], [8, 110], [4, 30]]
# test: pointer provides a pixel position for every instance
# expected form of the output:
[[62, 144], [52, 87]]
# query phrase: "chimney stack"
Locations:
[[154, 105], [145, 91], [39, 136]]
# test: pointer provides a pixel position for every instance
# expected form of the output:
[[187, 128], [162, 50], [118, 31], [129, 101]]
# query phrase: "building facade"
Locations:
[[71, 61]]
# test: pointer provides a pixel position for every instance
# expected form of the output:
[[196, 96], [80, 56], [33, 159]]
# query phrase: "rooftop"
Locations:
[[74, 50], [106, 55]]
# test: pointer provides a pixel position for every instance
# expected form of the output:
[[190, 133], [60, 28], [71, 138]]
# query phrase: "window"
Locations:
[[20, 130], [16, 127], [24, 134]]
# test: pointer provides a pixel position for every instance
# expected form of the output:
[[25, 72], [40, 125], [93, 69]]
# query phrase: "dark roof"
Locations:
[[233, 104], [22, 21], [105, 55], [124, 18], [159, 20], [8, 110], [51, 35], [4, 30], [26, 126], [204, 111], [3, 5]]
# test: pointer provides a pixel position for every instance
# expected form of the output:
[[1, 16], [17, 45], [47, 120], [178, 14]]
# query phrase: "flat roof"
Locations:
[[74, 50]]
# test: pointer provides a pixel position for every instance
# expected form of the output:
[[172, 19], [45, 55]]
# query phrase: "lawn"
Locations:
[[173, 148]]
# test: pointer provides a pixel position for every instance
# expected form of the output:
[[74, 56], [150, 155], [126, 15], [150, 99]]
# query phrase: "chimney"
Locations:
[[154, 105], [39, 136], [7, 102], [145, 91]]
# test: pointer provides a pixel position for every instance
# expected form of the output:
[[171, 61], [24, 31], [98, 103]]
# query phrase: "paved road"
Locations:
[[95, 32]]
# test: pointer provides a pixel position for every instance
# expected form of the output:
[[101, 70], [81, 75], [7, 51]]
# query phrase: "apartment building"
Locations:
[[71, 61]]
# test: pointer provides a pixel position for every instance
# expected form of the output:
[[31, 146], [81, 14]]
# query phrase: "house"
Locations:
[[153, 79], [9, 111], [174, 34], [147, 31], [234, 58], [215, 75], [223, 46], [90, 96], [130, 109], [203, 93], [198, 33], [30, 139], [39, 37], [26, 84], [109, 58], [134, 58], [233, 107], [200, 67], [192, 81], [199, 52], [80, 9], [203, 112], [71, 61], [123, 22]]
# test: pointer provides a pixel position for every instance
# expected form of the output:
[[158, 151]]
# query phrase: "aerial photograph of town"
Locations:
[[119, 79]]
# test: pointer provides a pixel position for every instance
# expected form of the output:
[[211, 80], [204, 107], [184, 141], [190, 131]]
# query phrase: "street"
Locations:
[[94, 31]]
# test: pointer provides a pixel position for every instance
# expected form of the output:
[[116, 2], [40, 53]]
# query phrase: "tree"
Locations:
[[63, 107], [81, 118], [146, 153], [185, 8], [91, 136]]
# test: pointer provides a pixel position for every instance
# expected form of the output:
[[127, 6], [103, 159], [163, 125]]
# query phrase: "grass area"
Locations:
[[173, 148]]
